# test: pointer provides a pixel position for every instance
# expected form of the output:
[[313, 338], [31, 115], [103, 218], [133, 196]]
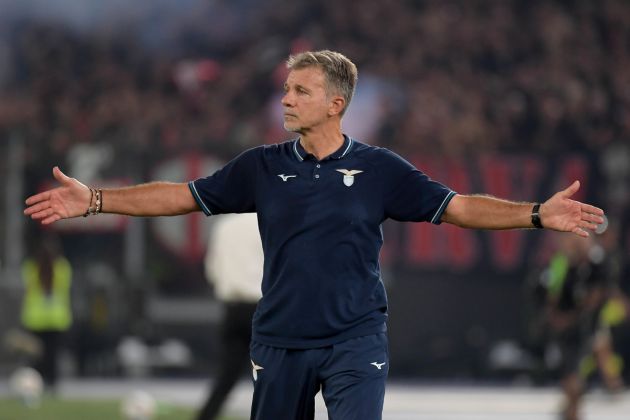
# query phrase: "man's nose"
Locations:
[[287, 99]]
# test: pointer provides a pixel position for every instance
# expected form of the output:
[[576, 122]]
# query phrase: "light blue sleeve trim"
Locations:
[[197, 197], [438, 214]]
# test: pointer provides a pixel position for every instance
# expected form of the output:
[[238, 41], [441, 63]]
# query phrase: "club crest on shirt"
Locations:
[[348, 176]]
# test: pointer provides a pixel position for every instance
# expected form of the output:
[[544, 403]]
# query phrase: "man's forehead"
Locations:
[[306, 76]]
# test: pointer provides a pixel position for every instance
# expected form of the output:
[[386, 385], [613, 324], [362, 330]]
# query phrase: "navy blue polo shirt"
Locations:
[[320, 224]]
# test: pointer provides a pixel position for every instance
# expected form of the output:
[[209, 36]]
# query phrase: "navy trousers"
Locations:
[[351, 376]]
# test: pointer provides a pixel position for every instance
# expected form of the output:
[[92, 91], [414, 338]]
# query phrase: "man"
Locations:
[[320, 200], [234, 264]]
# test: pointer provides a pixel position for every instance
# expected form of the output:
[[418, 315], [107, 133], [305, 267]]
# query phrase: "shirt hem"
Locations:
[[303, 344]]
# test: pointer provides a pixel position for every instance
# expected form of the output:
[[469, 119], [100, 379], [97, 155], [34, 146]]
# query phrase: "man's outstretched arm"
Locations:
[[559, 213], [72, 198]]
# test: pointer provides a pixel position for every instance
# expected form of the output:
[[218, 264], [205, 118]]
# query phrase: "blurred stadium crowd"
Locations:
[[468, 76], [114, 95]]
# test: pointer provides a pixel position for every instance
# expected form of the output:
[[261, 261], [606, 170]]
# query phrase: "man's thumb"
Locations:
[[60, 176], [571, 190]]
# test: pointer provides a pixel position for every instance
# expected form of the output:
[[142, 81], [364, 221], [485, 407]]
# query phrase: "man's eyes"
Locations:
[[297, 89]]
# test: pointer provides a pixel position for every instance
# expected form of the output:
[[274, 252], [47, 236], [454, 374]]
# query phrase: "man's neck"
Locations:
[[322, 144]]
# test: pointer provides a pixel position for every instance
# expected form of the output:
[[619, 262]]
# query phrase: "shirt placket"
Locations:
[[317, 166]]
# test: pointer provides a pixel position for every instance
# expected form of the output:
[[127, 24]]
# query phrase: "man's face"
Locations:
[[305, 101]]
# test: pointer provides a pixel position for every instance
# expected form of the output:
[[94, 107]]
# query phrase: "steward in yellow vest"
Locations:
[[46, 305]]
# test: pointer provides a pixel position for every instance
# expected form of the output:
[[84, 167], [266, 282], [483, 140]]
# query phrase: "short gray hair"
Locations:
[[341, 74]]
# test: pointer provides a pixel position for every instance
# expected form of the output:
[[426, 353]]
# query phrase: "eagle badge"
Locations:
[[348, 176]]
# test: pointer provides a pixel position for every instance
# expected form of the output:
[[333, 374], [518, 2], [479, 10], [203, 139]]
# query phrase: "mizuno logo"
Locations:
[[285, 177], [378, 365], [255, 369]]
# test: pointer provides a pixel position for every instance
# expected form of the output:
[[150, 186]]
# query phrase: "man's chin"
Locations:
[[292, 128]]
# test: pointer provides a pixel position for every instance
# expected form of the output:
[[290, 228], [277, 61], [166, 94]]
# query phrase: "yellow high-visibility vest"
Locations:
[[46, 312]]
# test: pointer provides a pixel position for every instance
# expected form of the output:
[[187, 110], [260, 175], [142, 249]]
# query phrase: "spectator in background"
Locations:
[[615, 314], [577, 289], [46, 307], [234, 265]]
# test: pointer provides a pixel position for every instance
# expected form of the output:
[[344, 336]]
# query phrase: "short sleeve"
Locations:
[[411, 195], [231, 189]]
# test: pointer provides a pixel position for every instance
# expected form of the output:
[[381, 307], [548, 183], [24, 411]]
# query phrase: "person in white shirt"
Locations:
[[234, 265]]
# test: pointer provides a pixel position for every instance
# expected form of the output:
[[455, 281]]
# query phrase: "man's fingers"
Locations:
[[587, 225], [36, 208], [51, 219], [580, 232], [43, 196], [592, 218], [50, 206], [37, 198], [46, 216], [42, 214], [593, 210]]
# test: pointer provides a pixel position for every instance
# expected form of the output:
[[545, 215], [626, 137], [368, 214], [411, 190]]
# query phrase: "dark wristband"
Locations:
[[536, 216]]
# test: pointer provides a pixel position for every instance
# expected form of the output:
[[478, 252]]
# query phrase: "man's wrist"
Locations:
[[536, 222], [96, 208]]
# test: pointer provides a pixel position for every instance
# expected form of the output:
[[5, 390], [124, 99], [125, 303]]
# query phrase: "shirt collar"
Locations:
[[345, 148]]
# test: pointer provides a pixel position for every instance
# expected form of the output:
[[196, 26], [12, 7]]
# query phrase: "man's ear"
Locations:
[[336, 106]]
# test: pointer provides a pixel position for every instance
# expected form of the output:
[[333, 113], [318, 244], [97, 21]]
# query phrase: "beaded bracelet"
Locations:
[[99, 202], [97, 196], [89, 209]]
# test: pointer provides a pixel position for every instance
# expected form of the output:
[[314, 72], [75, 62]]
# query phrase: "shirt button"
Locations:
[[317, 176], [319, 166]]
